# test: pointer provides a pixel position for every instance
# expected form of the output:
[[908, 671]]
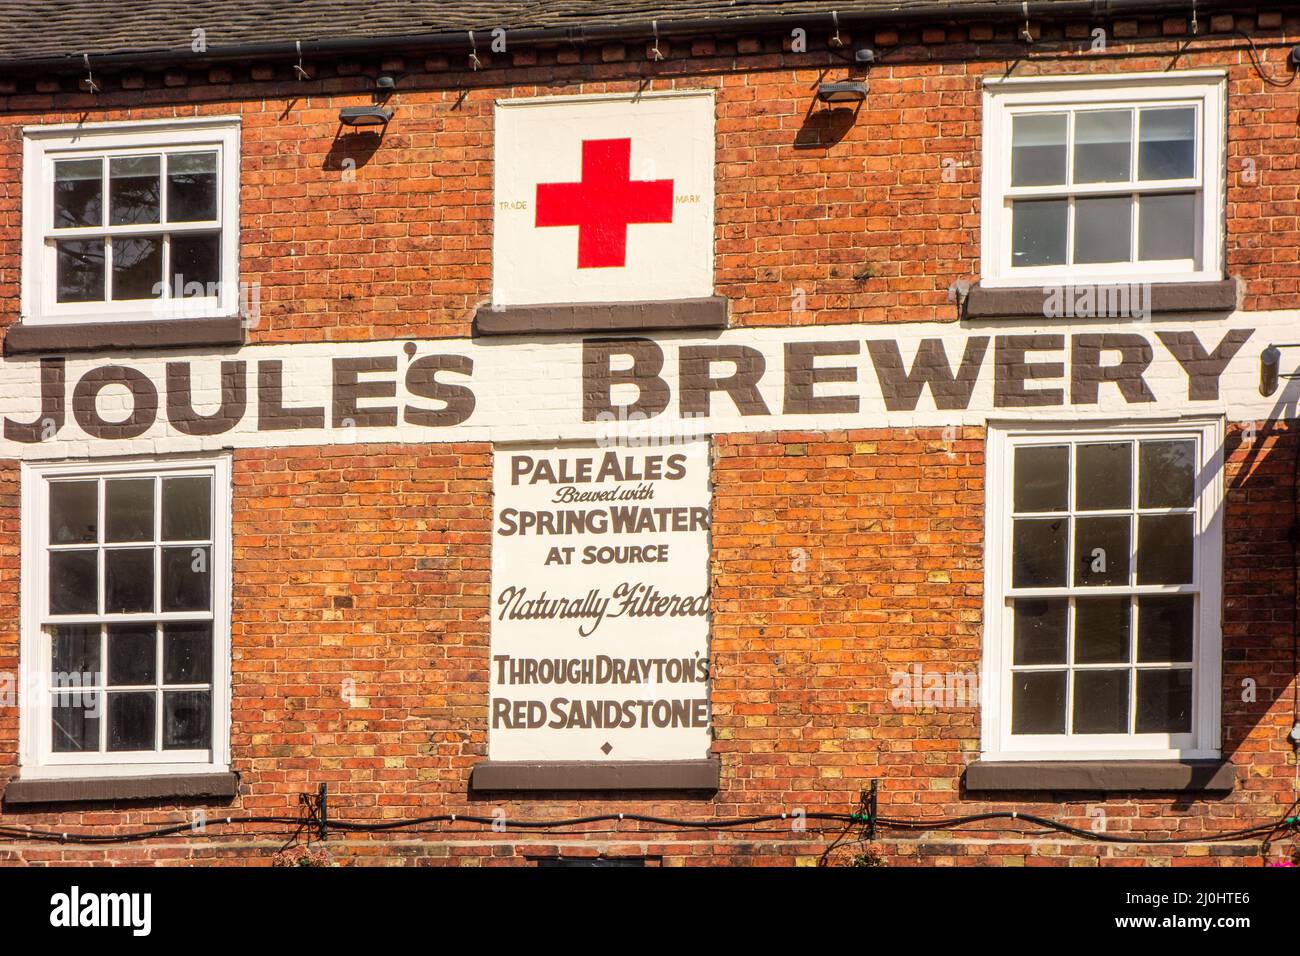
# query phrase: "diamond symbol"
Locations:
[[607, 748]]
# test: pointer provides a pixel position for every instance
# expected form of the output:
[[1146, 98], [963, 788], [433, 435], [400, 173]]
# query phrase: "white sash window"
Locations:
[[126, 594]]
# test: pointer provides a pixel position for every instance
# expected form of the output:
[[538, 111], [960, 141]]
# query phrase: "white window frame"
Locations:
[[1003, 98], [42, 145], [37, 761], [1203, 743]]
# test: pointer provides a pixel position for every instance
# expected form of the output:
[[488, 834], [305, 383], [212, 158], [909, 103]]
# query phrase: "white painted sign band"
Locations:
[[620, 387]]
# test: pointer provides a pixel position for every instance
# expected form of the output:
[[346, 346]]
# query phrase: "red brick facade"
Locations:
[[839, 557]]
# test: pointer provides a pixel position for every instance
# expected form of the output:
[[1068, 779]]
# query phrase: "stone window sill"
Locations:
[[1102, 776], [21, 792], [25, 338], [496, 775], [1032, 301], [708, 313]]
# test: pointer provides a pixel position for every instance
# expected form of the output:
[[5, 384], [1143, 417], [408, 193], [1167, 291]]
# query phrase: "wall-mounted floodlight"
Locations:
[[849, 91], [1270, 367], [845, 92], [365, 115]]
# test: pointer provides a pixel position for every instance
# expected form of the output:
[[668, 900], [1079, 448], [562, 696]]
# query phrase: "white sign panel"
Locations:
[[600, 603], [603, 199]]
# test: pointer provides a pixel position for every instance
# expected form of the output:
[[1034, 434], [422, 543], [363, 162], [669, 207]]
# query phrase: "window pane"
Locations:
[[1038, 552], [1167, 227], [191, 187], [1101, 630], [186, 508], [80, 270], [1042, 478], [1165, 627], [1100, 702], [1038, 149], [74, 655], [73, 512], [1038, 702], [78, 193], [128, 580], [133, 190], [1167, 143], [137, 267], [1166, 474], [74, 723], [1164, 701], [185, 577], [132, 653], [187, 720], [1038, 232], [1102, 146], [131, 719], [74, 582], [187, 653], [196, 265], [1103, 229], [1101, 551], [1164, 549], [128, 503], [1040, 630], [1104, 477]]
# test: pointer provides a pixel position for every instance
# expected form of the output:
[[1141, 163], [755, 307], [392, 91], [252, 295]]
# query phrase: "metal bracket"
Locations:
[[835, 40], [474, 61], [1287, 345], [866, 812], [871, 811], [91, 85]]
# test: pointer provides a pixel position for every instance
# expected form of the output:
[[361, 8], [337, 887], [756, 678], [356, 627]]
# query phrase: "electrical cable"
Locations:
[[1273, 834], [132, 836], [1050, 49], [1045, 823], [501, 824], [1258, 64]]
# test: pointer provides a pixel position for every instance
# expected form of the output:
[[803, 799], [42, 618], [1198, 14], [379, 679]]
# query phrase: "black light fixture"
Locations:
[[375, 114], [365, 115], [1270, 361], [848, 91], [1270, 367]]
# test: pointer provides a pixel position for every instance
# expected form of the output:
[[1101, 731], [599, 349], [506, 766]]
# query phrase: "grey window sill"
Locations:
[[1103, 776], [21, 792], [708, 313], [25, 338], [496, 775], [1032, 301]]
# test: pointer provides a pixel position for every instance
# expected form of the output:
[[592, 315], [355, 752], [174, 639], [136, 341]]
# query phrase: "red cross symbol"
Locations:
[[605, 203]]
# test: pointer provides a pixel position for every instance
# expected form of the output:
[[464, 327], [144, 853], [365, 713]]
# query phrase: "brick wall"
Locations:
[[839, 557]]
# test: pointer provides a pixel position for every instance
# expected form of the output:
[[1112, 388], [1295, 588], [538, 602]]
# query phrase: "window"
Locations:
[[125, 617], [1115, 179], [1103, 581], [131, 221]]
